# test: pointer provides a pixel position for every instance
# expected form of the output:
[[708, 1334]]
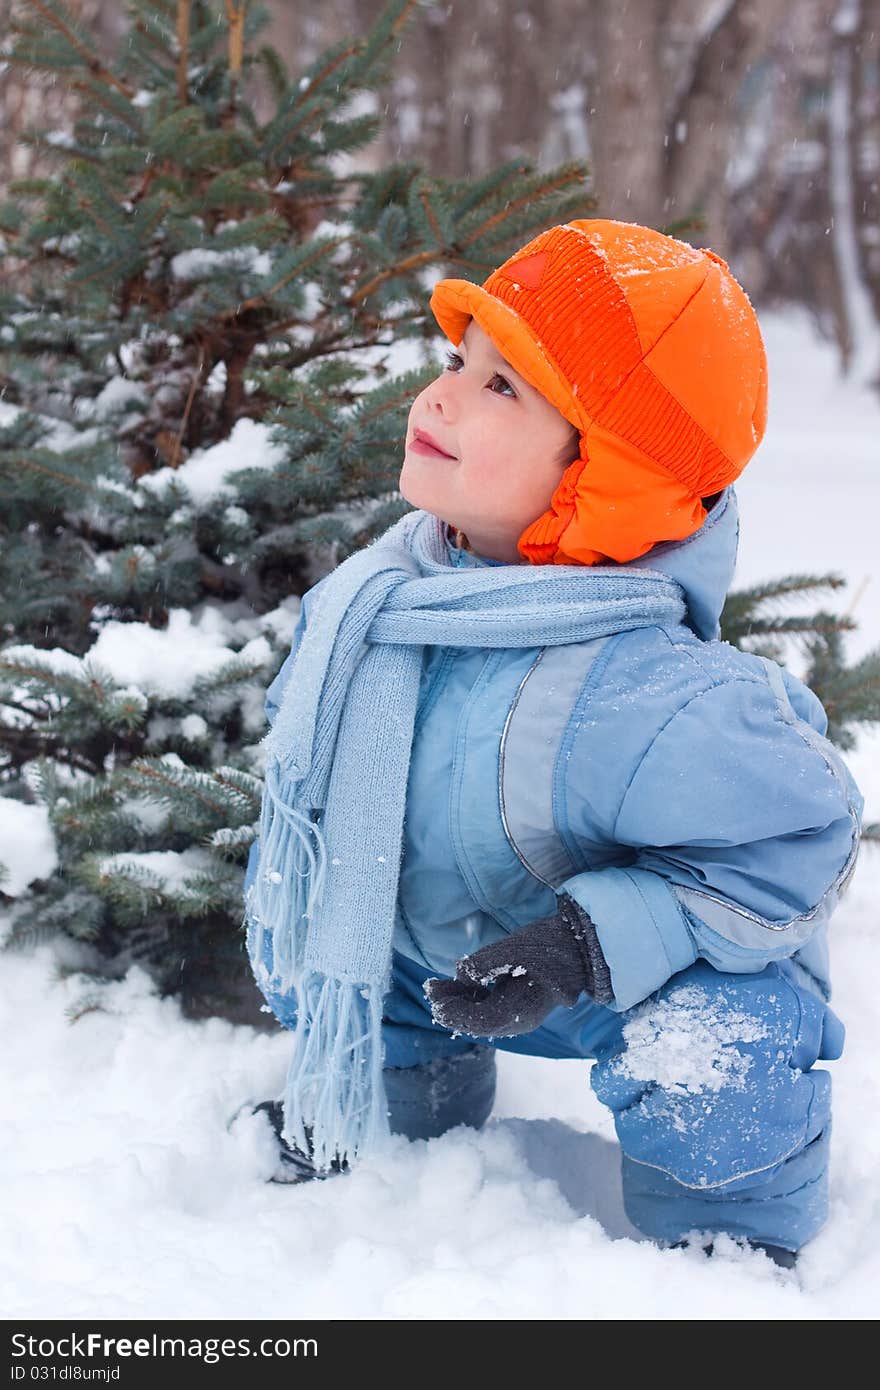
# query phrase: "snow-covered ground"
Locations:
[[123, 1195]]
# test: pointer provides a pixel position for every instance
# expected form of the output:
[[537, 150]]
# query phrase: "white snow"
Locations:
[[687, 1042], [164, 662], [193, 726], [171, 868], [167, 661], [205, 472], [123, 1194], [116, 395], [47, 659], [27, 845], [200, 263]]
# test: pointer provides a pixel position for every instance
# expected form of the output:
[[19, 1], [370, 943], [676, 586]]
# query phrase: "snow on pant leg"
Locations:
[[433, 1081], [723, 1124]]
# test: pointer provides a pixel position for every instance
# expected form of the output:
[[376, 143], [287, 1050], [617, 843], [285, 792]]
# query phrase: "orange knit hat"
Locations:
[[652, 350]]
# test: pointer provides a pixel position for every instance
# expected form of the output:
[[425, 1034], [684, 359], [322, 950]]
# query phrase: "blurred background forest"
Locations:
[[761, 118]]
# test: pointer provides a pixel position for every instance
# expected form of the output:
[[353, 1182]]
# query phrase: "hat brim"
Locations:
[[455, 302]]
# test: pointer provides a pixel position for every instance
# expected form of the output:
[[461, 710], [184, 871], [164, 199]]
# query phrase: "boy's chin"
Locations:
[[423, 500]]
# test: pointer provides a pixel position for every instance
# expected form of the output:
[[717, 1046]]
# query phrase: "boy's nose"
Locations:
[[440, 395]]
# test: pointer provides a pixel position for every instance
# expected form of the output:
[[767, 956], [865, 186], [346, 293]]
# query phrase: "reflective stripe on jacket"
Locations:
[[681, 790]]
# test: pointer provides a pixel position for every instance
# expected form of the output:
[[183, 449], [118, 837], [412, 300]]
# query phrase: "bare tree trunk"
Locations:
[[664, 104], [702, 126], [861, 334], [866, 147], [475, 81], [628, 123]]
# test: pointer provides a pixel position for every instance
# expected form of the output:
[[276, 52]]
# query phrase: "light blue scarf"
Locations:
[[339, 751]]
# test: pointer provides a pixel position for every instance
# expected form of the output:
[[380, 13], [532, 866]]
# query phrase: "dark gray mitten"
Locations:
[[510, 986]]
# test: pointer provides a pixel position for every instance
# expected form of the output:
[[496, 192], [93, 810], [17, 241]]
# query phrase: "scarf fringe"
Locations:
[[342, 740], [334, 1083], [289, 884]]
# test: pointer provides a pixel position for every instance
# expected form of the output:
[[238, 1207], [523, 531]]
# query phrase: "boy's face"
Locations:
[[509, 448]]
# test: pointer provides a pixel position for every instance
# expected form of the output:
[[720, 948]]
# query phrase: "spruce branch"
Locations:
[[301, 263], [33, 462], [276, 71], [170, 784], [415, 261], [301, 95], [568, 175], [232, 840], [93, 1003], [744, 615], [183, 19], [58, 21], [122, 110], [452, 252], [791, 586], [240, 781]]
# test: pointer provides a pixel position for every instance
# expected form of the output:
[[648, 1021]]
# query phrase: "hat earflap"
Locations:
[[606, 502]]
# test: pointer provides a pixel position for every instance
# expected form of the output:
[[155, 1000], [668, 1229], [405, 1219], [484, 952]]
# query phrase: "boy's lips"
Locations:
[[425, 443]]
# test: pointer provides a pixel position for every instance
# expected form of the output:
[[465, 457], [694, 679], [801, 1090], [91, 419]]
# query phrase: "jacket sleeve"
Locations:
[[743, 822]]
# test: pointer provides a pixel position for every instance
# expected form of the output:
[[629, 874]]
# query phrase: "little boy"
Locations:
[[557, 814]]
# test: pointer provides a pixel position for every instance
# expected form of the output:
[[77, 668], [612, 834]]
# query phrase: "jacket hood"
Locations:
[[702, 564]]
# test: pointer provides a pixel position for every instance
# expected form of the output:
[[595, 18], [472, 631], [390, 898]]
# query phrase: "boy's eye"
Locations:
[[454, 361]]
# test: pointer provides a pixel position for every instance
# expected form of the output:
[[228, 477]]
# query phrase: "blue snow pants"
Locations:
[[723, 1123]]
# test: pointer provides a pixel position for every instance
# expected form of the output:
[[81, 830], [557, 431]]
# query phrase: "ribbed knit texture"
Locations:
[[646, 415], [324, 900], [580, 316]]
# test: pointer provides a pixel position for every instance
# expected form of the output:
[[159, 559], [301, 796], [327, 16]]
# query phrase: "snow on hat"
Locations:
[[650, 348]]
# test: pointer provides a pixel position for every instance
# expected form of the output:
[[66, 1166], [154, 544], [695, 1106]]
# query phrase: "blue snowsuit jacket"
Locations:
[[681, 790]]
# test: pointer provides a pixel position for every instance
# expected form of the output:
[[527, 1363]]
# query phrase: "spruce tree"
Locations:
[[212, 331]]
